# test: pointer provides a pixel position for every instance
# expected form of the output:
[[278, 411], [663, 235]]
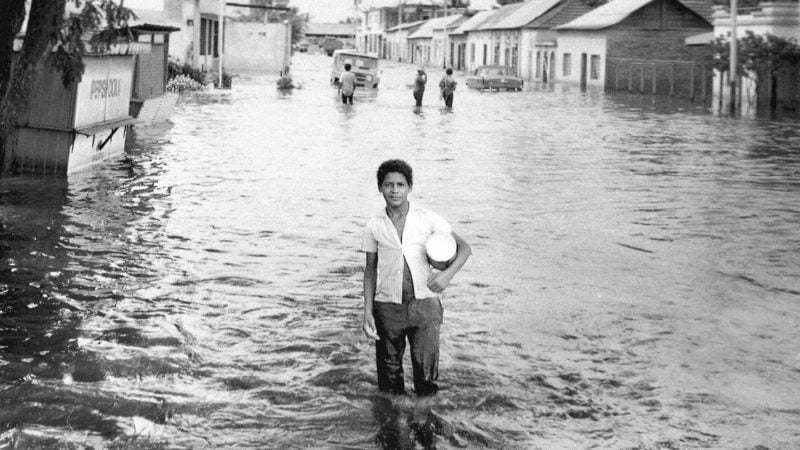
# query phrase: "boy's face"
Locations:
[[395, 189]]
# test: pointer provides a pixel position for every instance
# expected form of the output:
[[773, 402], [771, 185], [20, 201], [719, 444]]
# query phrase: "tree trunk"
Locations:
[[44, 23], [10, 25]]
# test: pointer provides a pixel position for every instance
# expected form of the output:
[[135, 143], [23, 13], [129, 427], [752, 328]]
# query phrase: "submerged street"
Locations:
[[634, 283]]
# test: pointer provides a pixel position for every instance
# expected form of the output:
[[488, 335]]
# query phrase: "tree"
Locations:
[[53, 38], [764, 56]]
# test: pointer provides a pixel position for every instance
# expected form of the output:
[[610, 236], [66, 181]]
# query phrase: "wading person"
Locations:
[[400, 288], [347, 85], [419, 85], [447, 85]]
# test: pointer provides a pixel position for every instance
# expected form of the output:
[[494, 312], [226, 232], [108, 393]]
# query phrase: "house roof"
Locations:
[[498, 15], [407, 25], [616, 11], [371, 5], [472, 23], [527, 12], [330, 29], [427, 29], [154, 28]]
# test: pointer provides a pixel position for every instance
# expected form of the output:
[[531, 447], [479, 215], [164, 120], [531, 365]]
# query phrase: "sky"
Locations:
[[338, 10]]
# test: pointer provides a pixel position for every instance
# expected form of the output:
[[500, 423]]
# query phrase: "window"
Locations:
[[485, 52], [209, 32], [497, 54], [472, 52], [567, 64], [595, 67]]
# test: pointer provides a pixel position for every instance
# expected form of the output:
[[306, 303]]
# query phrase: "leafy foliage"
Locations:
[[758, 53], [174, 69], [227, 80], [71, 42]]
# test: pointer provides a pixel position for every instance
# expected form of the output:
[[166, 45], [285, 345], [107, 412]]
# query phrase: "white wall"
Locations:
[[576, 43], [256, 47], [528, 49], [181, 43]]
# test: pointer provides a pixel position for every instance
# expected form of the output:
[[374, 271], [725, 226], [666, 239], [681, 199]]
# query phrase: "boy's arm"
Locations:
[[370, 283], [439, 281]]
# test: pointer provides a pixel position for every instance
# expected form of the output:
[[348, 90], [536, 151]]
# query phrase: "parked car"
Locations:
[[364, 66], [494, 78]]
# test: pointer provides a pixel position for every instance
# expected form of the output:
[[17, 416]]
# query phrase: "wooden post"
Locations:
[[641, 80], [691, 82], [630, 76], [616, 77], [654, 79], [671, 79], [703, 81]]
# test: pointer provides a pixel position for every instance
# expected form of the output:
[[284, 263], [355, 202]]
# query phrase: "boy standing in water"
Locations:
[[447, 85], [347, 84], [400, 289], [419, 85]]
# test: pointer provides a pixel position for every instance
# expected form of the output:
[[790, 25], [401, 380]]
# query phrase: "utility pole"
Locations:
[[219, 38], [445, 32], [732, 77]]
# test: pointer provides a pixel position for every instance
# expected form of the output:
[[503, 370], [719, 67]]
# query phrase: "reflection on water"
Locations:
[[634, 282]]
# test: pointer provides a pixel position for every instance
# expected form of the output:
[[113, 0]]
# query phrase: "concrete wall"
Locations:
[[256, 47]]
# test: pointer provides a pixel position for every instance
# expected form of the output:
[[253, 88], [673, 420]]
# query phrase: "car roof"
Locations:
[[353, 53]]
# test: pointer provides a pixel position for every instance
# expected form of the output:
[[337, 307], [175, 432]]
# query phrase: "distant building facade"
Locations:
[[638, 46]]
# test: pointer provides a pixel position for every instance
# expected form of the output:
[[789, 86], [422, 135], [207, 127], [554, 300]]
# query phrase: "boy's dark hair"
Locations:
[[347, 66], [449, 71], [397, 166]]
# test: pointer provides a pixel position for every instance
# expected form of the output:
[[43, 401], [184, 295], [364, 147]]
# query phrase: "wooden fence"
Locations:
[[685, 79]]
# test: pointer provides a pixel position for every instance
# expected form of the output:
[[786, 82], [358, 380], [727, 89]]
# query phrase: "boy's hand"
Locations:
[[369, 327], [438, 281]]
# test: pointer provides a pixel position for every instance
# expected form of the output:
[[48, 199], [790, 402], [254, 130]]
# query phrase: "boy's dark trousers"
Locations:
[[418, 96], [419, 321], [347, 99], [448, 100]]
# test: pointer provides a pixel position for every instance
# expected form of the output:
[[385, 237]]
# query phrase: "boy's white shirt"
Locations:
[[380, 235]]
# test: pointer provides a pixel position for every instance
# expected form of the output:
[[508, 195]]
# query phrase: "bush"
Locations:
[[176, 69], [226, 80], [182, 83]]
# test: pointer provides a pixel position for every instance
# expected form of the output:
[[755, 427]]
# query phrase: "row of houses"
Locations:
[[646, 46], [578, 41]]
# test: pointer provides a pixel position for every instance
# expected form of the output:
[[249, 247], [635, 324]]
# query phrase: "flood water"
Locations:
[[634, 283]]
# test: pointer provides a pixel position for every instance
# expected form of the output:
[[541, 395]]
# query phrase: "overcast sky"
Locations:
[[337, 10]]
